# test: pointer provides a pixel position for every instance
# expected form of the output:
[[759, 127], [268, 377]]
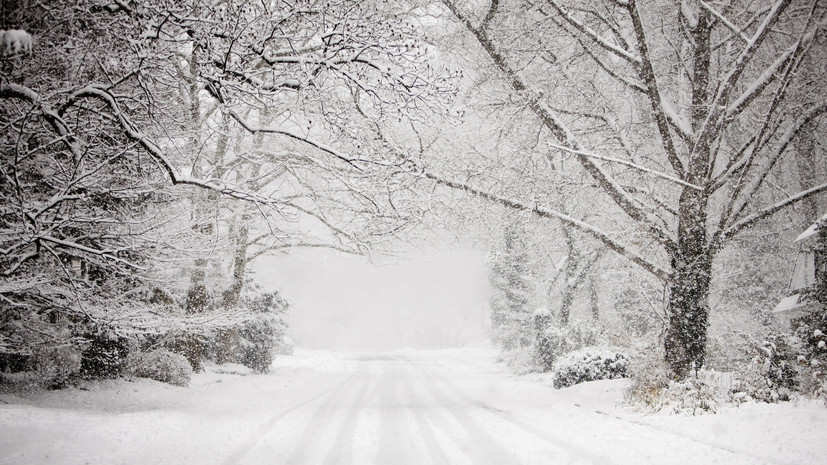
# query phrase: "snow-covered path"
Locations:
[[395, 410], [438, 407]]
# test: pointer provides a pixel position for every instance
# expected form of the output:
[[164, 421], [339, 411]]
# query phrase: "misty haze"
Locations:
[[432, 300], [335, 232]]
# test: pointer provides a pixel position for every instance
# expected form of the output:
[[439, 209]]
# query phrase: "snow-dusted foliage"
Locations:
[[513, 281], [650, 377], [126, 105], [82, 241], [812, 359], [690, 396], [263, 332], [255, 340], [772, 374], [55, 366], [554, 340], [589, 364], [104, 356], [653, 388], [775, 371], [162, 365]]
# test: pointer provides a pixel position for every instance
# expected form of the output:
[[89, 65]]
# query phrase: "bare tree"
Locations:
[[682, 114]]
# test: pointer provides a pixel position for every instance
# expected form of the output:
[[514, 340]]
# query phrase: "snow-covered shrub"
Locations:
[[650, 378], [771, 375], [104, 356], [812, 332], [163, 365], [690, 396], [258, 338], [554, 341], [653, 389], [589, 364], [56, 365]]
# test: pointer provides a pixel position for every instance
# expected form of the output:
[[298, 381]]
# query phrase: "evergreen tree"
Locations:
[[513, 281]]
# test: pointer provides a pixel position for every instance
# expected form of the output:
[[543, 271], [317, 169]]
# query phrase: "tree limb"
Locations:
[[624, 251], [739, 226], [647, 74]]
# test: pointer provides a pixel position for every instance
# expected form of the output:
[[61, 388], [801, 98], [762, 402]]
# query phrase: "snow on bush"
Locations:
[[653, 390], [56, 365], [165, 366], [104, 356], [554, 341], [589, 364], [261, 333], [694, 396], [771, 375], [650, 377], [812, 359]]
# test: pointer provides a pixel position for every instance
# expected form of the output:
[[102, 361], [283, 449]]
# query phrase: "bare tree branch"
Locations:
[[629, 164], [566, 219]]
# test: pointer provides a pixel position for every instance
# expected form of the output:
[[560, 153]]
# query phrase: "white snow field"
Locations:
[[403, 407]]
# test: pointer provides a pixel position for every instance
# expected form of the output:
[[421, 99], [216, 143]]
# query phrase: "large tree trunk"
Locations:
[[578, 268], [688, 309], [190, 345], [227, 347]]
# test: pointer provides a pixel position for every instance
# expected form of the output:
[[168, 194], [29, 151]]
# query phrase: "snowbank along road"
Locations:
[[331, 409]]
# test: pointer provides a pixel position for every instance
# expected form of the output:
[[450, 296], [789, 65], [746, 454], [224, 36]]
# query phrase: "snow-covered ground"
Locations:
[[402, 407]]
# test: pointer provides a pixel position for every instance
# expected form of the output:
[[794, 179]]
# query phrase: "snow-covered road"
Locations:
[[439, 407], [396, 410]]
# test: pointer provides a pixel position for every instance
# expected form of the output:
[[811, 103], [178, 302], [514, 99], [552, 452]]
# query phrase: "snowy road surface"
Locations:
[[439, 407]]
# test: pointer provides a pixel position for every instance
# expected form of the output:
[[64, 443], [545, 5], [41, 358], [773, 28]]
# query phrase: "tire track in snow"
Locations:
[[319, 423], [549, 438], [243, 449], [417, 407], [341, 451], [397, 443], [479, 444]]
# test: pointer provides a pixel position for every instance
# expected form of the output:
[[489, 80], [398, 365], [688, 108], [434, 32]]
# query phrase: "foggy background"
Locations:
[[341, 302]]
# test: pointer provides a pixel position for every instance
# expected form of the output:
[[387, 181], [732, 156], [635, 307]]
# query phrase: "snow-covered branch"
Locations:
[[255, 129], [736, 30], [629, 164], [129, 128], [593, 35], [566, 138], [647, 75], [769, 75], [711, 125], [566, 219], [721, 239], [746, 192]]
